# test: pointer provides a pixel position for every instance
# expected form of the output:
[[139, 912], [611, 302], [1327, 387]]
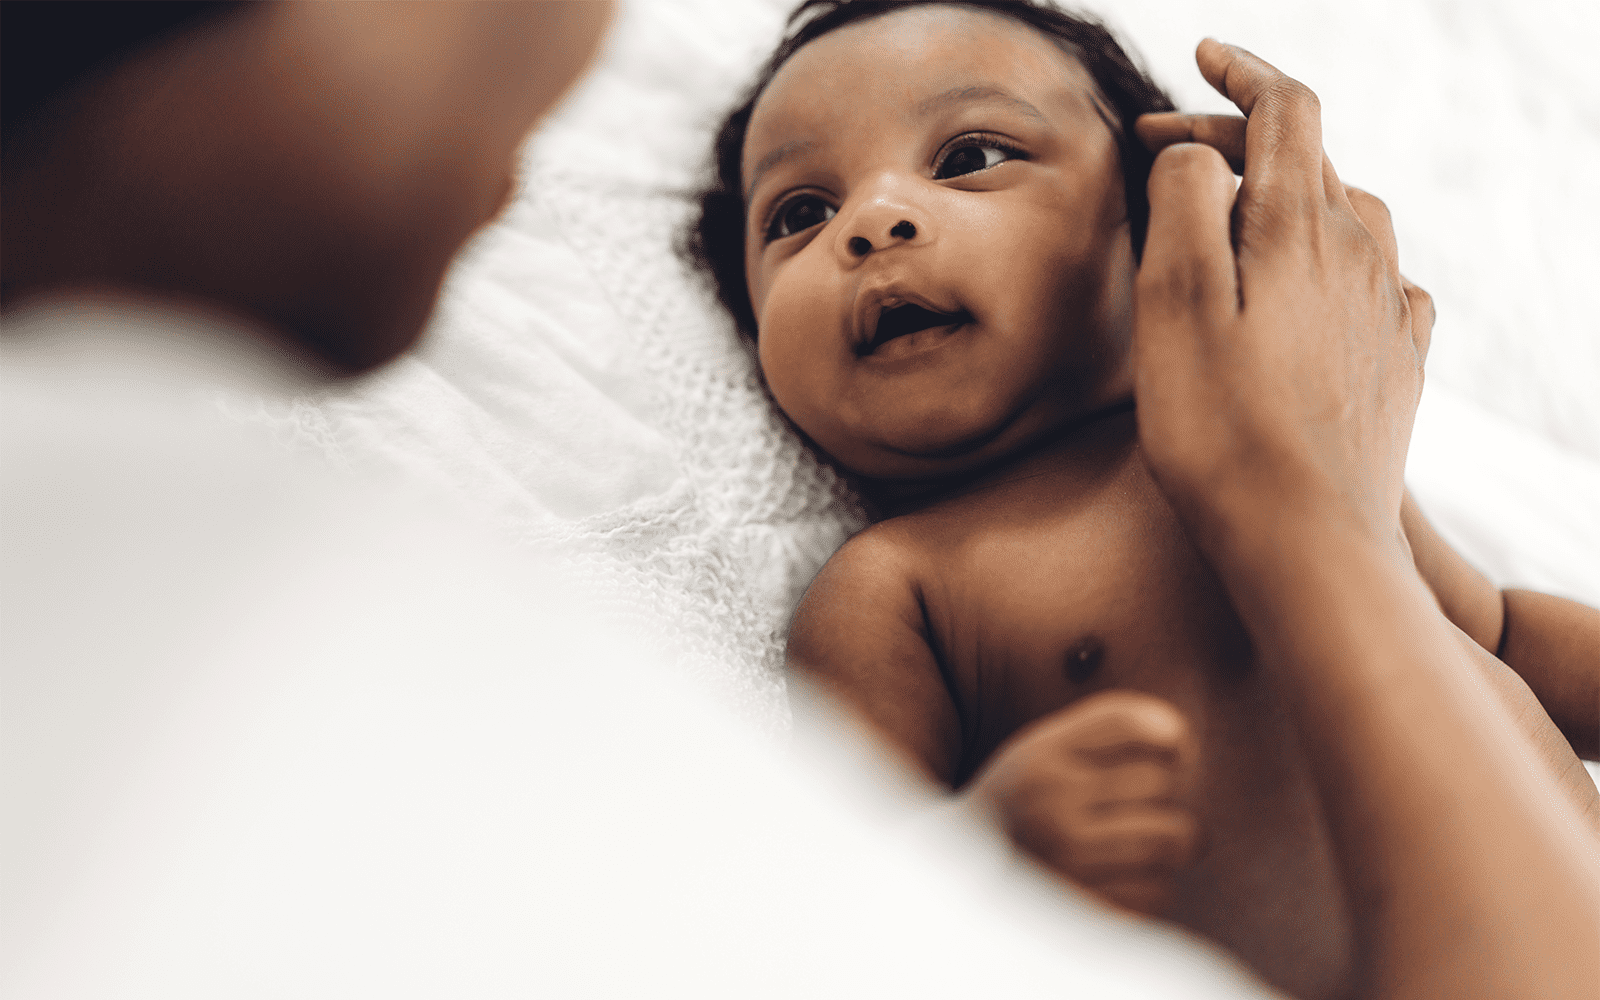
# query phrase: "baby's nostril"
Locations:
[[903, 230], [860, 246]]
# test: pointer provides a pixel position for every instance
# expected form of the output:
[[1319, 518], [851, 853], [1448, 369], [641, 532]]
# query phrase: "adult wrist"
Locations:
[[1255, 525], [1282, 567]]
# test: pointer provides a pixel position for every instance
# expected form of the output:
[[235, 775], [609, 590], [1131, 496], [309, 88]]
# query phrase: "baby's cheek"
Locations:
[[790, 369], [773, 358]]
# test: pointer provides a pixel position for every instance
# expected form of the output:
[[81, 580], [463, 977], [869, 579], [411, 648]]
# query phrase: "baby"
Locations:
[[930, 216]]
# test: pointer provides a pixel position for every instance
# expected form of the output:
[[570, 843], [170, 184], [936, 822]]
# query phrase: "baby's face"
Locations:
[[958, 163]]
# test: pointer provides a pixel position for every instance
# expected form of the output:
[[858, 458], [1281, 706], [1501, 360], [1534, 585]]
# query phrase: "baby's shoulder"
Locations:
[[882, 555], [889, 568]]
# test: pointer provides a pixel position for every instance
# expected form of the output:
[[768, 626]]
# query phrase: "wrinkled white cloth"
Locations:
[[580, 384], [269, 730]]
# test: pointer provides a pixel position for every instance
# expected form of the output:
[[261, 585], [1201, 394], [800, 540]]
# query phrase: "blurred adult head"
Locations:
[[313, 167]]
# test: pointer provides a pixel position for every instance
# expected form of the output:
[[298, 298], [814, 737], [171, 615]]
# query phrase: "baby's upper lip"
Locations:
[[873, 302]]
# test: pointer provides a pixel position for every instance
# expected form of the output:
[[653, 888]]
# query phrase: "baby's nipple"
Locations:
[[1083, 660]]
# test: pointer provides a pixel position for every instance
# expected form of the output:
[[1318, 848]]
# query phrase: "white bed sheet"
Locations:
[[580, 391], [579, 387]]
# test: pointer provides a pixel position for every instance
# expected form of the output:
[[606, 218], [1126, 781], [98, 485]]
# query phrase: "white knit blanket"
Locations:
[[579, 388]]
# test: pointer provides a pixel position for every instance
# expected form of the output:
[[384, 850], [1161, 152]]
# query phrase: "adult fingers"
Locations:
[[1284, 138], [1337, 191], [1223, 133], [1374, 215], [1422, 316], [1188, 274], [1375, 218]]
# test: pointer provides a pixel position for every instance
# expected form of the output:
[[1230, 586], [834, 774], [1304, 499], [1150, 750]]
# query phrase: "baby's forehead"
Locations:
[[910, 62]]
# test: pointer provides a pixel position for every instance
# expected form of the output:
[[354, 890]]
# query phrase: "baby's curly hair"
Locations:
[[715, 243]]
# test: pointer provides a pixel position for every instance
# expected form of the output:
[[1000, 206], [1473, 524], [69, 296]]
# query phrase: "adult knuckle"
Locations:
[[1281, 215], [1356, 241], [1373, 213], [1294, 96], [1422, 298], [1368, 200]]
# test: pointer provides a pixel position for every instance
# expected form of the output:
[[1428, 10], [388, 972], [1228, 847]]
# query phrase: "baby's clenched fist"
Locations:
[[1095, 792]]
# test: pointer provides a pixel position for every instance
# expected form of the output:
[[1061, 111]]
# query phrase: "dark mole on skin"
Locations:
[[1084, 659]]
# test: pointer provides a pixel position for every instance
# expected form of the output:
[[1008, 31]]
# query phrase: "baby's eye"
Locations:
[[977, 153], [797, 215]]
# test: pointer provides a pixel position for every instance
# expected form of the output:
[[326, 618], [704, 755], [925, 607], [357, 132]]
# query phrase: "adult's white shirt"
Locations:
[[269, 731]]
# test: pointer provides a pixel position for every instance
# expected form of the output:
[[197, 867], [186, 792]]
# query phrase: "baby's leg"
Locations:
[[1095, 791]]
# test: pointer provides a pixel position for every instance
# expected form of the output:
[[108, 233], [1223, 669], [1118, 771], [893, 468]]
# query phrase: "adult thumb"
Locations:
[[1188, 274]]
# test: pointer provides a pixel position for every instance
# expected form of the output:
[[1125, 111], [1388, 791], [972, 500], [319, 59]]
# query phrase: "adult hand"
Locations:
[[1278, 363], [1278, 351]]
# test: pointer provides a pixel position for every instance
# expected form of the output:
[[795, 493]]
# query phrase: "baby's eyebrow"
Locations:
[[774, 158], [964, 94], [970, 93]]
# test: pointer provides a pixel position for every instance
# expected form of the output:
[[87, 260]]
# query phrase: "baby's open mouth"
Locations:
[[904, 320]]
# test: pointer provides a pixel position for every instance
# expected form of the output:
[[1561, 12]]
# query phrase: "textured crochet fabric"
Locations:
[[757, 514], [611, 417], [578, 389]]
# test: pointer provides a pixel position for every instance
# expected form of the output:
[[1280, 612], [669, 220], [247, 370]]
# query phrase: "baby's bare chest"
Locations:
[[1030, 608], [1033, 605]]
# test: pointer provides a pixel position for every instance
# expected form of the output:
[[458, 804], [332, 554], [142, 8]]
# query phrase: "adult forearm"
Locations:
[[1469, 873]]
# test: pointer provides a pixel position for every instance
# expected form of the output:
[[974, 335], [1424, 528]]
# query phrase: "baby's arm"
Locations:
[[860, 632], [1552, 644], [1091, 791]]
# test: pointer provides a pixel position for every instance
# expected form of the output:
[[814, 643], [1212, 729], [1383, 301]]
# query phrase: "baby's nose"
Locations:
[[905, 229]]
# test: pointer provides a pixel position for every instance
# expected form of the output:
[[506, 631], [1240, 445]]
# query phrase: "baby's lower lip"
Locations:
[[916, 343]]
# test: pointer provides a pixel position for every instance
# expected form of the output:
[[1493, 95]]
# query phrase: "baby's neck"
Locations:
[[1100, 432]]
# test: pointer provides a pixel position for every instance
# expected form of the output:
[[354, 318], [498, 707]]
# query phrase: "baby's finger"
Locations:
[[1135, 785], [1283, 141], [1188, 274], [1147, 842], [1124, 727], [1223, 133]]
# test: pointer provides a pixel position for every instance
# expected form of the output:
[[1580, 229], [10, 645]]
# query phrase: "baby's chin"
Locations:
[[896, 484], [938, 451], [925, 458]]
